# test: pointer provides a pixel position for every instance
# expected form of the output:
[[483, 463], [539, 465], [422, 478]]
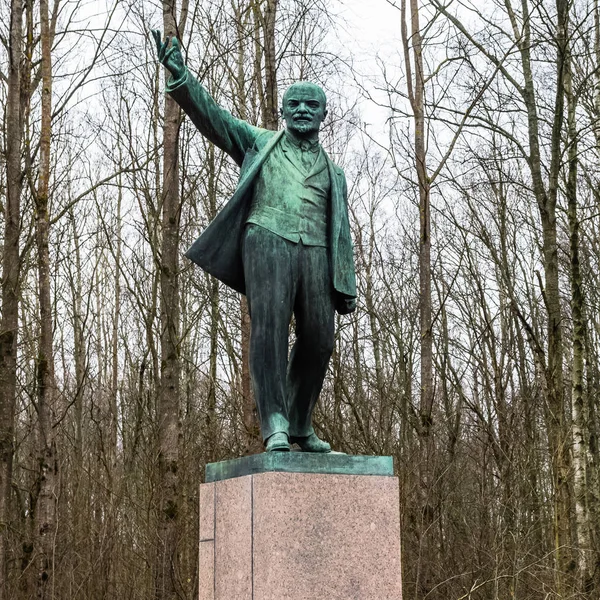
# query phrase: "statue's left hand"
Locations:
[[345, 305], [171, 57]]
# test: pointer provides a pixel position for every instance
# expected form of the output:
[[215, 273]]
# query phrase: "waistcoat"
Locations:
[[290, 199]]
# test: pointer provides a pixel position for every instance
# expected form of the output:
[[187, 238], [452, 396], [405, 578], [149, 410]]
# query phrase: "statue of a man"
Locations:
[[283, 239]]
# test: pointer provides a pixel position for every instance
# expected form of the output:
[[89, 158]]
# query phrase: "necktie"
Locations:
[[307, 157]]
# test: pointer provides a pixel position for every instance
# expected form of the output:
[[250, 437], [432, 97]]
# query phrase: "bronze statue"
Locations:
[[283, 240]]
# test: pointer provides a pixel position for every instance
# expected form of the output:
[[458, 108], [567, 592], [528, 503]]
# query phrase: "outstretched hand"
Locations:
[[171, 57]]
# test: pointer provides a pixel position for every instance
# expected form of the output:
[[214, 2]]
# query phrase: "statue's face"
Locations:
[[304, 108]]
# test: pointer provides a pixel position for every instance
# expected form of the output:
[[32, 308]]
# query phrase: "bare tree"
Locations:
[[46, 384], [545, 178], [169, 394], [10, 283]]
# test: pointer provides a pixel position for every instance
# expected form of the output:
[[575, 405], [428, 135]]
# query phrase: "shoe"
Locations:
[[278, 442], [311, 443]]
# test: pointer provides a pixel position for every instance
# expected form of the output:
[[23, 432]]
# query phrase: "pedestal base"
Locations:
[[309, 536]]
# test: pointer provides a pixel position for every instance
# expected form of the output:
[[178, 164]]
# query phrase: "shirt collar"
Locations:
[[305, 145]]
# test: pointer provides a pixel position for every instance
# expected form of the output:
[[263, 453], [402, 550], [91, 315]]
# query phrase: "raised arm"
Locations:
[[232, 135]]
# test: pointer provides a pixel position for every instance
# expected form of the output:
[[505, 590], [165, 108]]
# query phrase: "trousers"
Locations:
[[284, 278]]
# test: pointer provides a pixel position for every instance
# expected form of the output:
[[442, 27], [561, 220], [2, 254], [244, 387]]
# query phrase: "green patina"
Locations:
[[300, 462], [283, 239]]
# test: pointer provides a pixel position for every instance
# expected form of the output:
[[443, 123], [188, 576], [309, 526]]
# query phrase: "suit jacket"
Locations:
[[218, 249]]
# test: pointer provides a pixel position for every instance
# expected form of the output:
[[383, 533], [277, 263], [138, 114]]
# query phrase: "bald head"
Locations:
[[309, 87]]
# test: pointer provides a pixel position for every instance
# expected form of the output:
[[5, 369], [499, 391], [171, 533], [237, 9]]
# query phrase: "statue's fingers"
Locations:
[[163, 48], [170, 53], [157, 39]]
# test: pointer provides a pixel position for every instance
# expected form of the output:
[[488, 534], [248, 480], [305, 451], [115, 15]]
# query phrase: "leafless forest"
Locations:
[[473, 357]]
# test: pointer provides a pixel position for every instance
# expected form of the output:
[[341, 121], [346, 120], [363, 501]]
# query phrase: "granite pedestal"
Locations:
[[289, 526]]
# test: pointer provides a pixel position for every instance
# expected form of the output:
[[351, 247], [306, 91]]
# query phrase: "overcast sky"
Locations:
[[375, 24], [371, 31]]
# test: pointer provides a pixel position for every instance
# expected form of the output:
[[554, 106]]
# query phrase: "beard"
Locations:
[[303, 127]]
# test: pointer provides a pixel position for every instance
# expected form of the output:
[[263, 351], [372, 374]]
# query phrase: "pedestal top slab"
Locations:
[[300, 462]]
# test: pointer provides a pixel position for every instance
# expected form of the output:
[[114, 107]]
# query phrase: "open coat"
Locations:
[[218, 249]]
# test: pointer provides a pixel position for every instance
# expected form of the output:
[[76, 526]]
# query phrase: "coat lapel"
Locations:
[[218, 249], [256, 161]]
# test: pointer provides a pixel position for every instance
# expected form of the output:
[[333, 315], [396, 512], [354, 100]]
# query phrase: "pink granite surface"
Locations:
[[206, 573], [233, 539], [326, 537], [301, 536], [207, 511]]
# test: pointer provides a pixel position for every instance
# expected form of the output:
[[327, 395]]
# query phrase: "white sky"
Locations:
[[371, 32], [374, 24]]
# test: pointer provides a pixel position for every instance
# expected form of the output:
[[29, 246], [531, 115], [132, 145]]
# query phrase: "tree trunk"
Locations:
[[558, 427], [168, 397], [416, 95], [215, 309], [10, 284], [269, 103], [45, 530], [114, 378], [426, 404], [581, 428]]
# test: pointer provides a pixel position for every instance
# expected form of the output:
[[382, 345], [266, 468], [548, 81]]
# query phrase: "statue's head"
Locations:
[[304, 108]]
